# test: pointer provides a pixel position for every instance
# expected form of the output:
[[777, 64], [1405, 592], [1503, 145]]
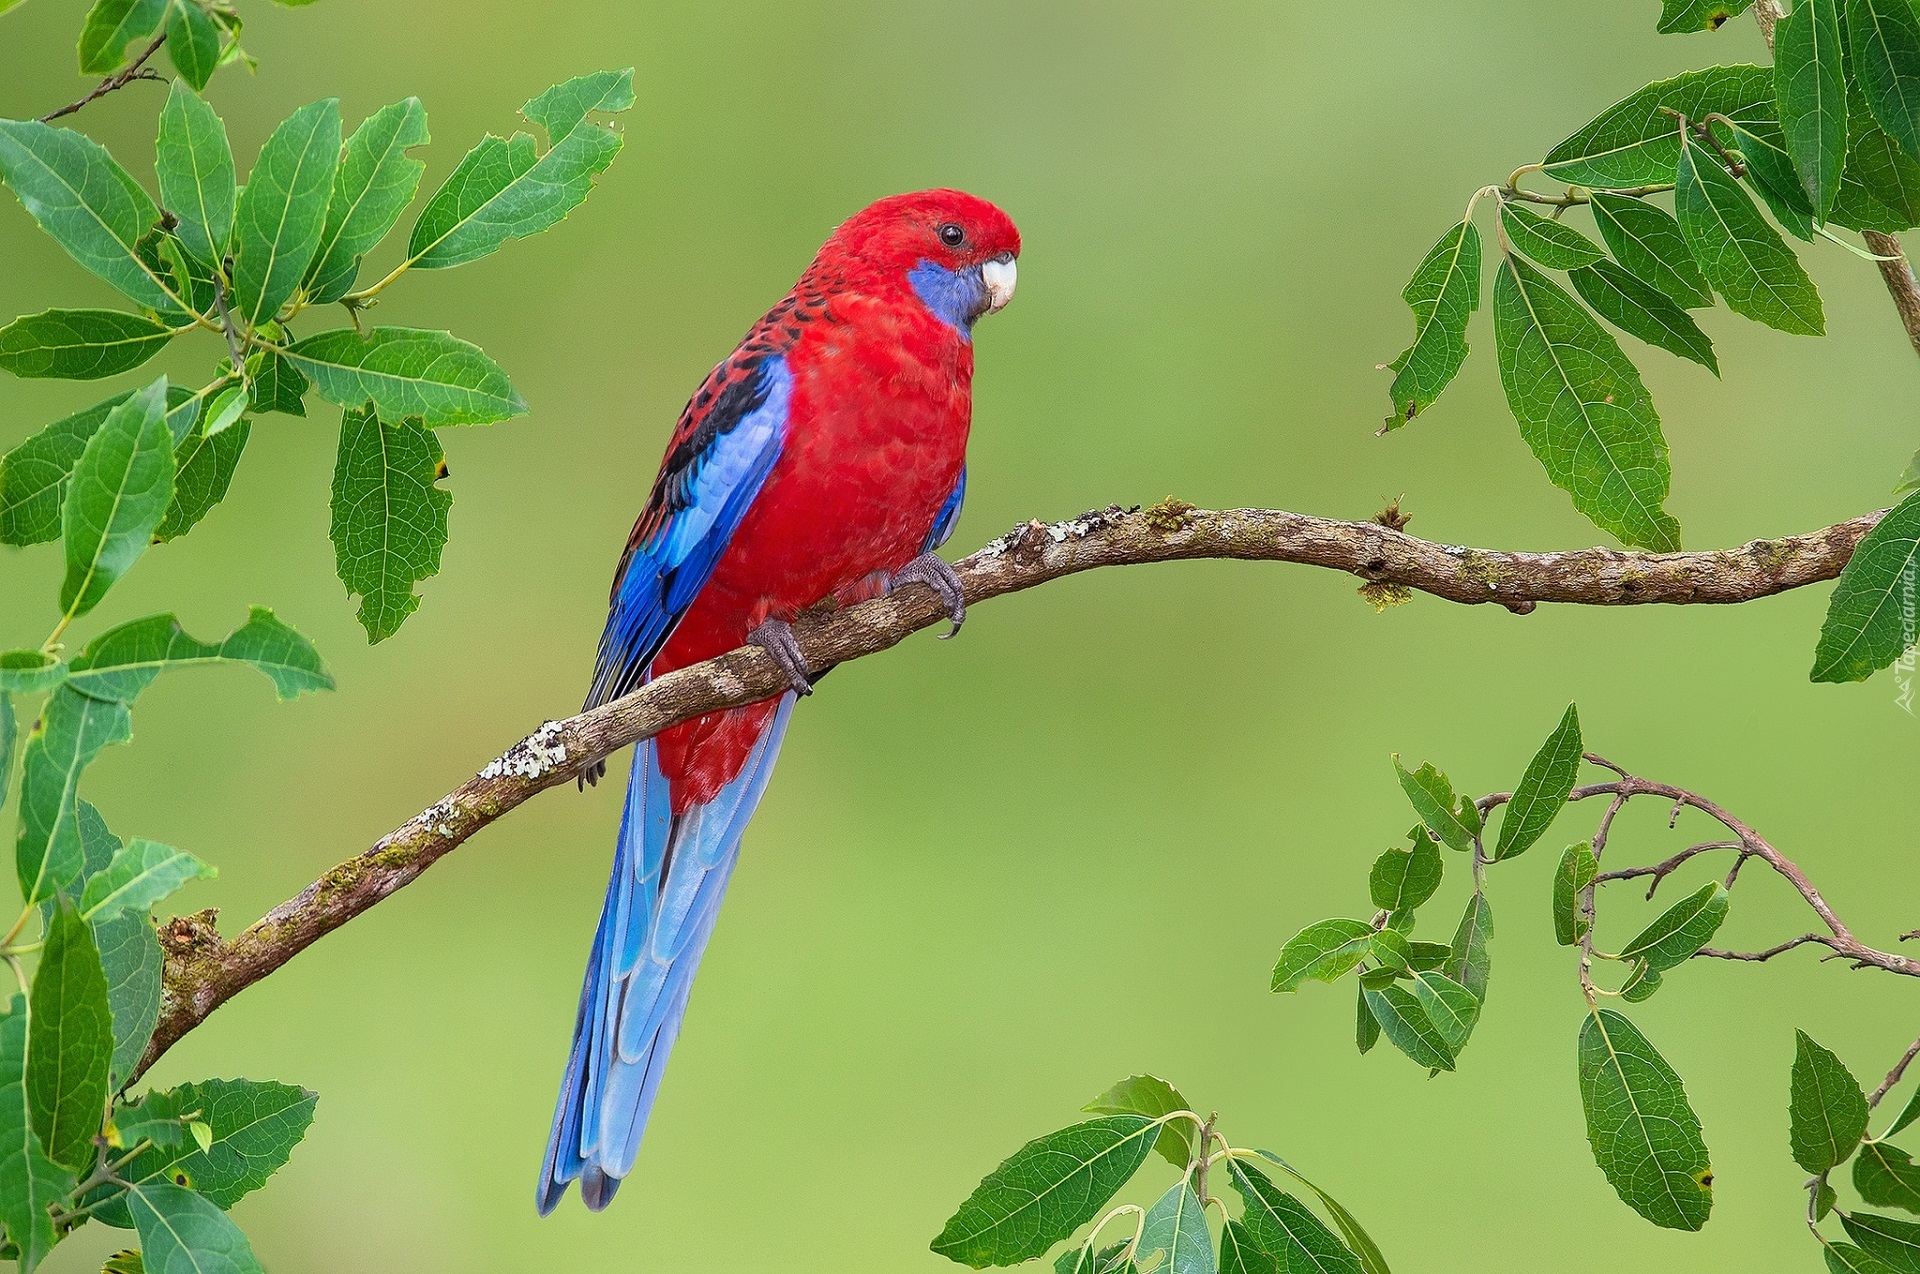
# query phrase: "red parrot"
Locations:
[[825, 458]]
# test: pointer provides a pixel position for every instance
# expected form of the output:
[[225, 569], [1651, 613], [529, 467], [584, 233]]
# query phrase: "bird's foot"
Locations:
[[932, 570], [775, 636]]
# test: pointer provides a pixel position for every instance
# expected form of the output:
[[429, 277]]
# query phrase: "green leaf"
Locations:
[[120, 490], [1808, 46], [30, 1183], [81, 196], [33, 476], [130, 957], [1282, 1226], [1636, 143], [1648, 242], [1174, 1237], [1372, 1261], [1845, 1258], [1681, 929], [122, 662], [98, 844], [1678, 16], [72, 730], [29, 672], [1884, 37], [1451, 1008], [126, 1262], [1241, 1254], [1642, 984], [255, 1127], [1771, 174], [1152, 1097], [193, 43], [1431, 795], [1887, 1177], [389, 517], [70, 1043], [1366, 1027], [140, 875], [1326, 951], [194, 166], [1407, 1027], [1578, 867], [1740, 254], [1880, 189], [277, 384], [1870, 618], [1894, 1243], [183, 1233], [1402, 879], [506, 190], [1391, 950], [1550, 243], [1443, 294], [1582, 408], [1908, 1115], [111, 25], [1645, 1136], [1111, 1259], [205, 466], [1543, 788], [1829, 1110], [281, 213], [9, 734], [1824, 1197], [79, 344], [1468, 962], [1641, 310], [407, 372], [375, 183], [1047, 1189], [157, 1117]]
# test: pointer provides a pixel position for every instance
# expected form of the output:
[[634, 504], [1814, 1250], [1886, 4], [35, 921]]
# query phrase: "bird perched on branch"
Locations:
[[824, 459]]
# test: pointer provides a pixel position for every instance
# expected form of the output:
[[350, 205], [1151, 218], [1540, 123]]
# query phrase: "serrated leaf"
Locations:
[[1680, 930], [30, 1182], [1451, 1008], [69, 1043], [1543, 788], [1829, 1111], [193, 42], [1636, 143], [1582, 408], [122, 662], [1404, 1021], [1326, 951], [1577, 870], [1880, 188], [505, 189], [1468, 961], [1641, 310], [1443, 294], [280, 214], [1887, 1177], [1809, 45], [1047, 1189], [1282, 1226], [376, 181], [1884, 40], [1174, 1238], [183, 1233], [1431, 796], [1677, 16], [1770, 174], [277, 384], [1553, 244], [1739, 253], [111, 25], [1241, 1254], [140, 875], [73, 729], [1645, 1136], [1402, 879], [389, 516], [1355, 1235], [1870, 618], [1647, 242], [406, 372], [79, 194], [120, 489], [194, 166], [255, 1127], [1845, 1258], [130, 956], [1896, 1244], [79, 344], [34, 475], [1153, 1097], [156, 1117]]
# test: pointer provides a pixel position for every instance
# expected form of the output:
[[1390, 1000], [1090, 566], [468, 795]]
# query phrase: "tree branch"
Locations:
[[203, 970], [134, 70]]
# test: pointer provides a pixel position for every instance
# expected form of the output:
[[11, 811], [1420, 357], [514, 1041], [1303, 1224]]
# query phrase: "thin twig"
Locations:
[[1715, 953], [1661, 870], [135, 70], [1893, 1076]]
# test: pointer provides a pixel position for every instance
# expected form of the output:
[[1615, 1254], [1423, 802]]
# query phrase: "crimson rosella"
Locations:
[[824, 459]]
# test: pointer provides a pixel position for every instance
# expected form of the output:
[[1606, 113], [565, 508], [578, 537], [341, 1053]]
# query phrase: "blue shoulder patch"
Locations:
[[954, 296]]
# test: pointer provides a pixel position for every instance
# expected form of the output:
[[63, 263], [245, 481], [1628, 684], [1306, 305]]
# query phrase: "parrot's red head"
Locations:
[[954, 250]]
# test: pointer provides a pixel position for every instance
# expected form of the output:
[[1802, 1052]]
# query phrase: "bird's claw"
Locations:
[[775, 636], [932, 570]]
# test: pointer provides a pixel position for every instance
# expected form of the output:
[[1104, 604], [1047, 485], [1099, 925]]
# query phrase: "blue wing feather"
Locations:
[[949, 515]]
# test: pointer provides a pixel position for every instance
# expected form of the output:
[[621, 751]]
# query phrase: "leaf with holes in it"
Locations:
[[1829, 1112], [194, 166], [1870, 617], [389, 516], [1635, 142], [1443, 294], [1431, 796], [1402, 879], [1641, 310], [1678, 16], [1047, 1189], [1644, 1135], [112, 25], [122, 662], [1543, 789], [375, 182], [1577, 870], [120, 489], [79, 194], [1809, 45], [1739, 253], [1582, 408], [1151, 1096], [79, 344], [279, 216], [69, 1043], [1554, 244], [407, 372], [1647, 242]]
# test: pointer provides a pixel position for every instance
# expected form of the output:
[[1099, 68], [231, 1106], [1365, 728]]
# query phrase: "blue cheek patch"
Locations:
[[954, 296]]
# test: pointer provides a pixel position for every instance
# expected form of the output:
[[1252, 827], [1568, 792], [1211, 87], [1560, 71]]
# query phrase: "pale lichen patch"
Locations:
[[537, 754]]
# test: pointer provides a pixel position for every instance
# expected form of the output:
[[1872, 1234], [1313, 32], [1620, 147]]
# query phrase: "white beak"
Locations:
[[999, 275]]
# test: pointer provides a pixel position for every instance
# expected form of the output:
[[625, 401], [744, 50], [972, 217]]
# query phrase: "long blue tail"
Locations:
[[652, 932]]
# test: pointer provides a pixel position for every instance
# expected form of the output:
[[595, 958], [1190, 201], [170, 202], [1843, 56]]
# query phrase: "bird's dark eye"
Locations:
[[952, 235]]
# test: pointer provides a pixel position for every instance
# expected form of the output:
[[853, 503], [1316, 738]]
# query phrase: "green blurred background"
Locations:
[[995, 875]]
